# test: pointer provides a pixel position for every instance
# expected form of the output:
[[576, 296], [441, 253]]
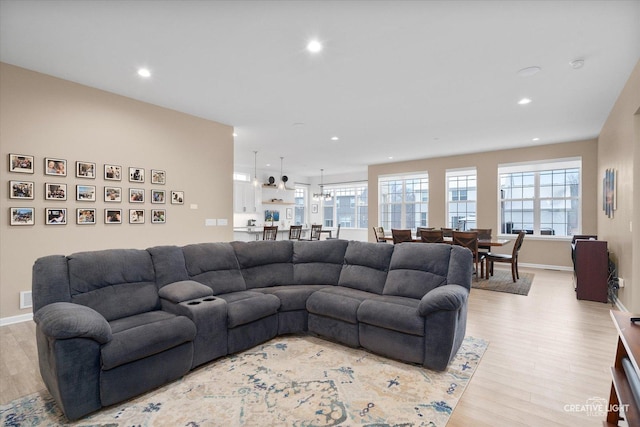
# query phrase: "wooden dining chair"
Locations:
[[379, 233], [337, 236], [511, 259], [270, 232], [431, 236], [294, 232], [419, 229], [483, 234], [448, 232], [469, 240], [316, 230], [400, 236]]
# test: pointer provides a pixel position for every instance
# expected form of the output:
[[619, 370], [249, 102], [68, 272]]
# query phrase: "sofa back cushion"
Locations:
[[214, 265], [168, 261], [318, 262], [417, 268], [265, 263], [114, 282], [365, 266]]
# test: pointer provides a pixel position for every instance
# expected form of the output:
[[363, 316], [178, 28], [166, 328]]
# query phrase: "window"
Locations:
[[348, 206], [300, 214], [542, 198], [462, 195], [404, 201]]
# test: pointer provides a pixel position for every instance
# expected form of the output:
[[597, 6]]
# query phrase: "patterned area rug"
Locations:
[[502, 281], [289, 381]]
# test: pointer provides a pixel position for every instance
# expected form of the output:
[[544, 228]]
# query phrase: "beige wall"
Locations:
[[537, 251], [48, 117], [619, 148]]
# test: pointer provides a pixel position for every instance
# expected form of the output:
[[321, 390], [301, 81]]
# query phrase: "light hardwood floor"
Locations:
[[546, 351]]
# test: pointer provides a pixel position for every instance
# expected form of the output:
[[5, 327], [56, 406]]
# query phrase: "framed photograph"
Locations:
[[85, 216], [85, 170], [21, 190], [136, 175], [112, 194], [113, 216], [289, 213], [86, 193], [136, 216], [177, 197], [56, 167], [136, 195], [22, 216], [314, 208], [158, 216], [113, 172], [55, 191], [158, 176], [157, 196], [20, 163], [55, 216]]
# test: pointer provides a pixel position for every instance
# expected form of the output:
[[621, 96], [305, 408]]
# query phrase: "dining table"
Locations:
[[494, 241]]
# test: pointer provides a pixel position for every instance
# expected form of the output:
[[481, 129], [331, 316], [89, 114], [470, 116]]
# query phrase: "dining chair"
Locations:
[[294, 232], [448, 232], [337, 234], [431, 236], [316, 230], [469, 240], [270, 232], [379, 232], [419, 229], [511, 259], [400, 236], [483, 234]]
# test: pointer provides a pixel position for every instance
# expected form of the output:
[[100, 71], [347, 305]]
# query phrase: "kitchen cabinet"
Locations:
[[245, 197]]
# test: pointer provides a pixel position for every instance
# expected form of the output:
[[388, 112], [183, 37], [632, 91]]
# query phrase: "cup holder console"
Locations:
[[209, 299], [193, 303], [200, 301]]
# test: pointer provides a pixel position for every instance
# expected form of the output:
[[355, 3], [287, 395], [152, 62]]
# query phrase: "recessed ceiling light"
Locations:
[[334, 138], [529, 71], [536, 139], [390, 157], [524, 101], [234, 134], [144, 72], [314, 46]]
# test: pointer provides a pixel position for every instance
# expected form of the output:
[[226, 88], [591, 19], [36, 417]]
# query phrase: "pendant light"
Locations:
[[283, 178], [255, 169], [322, 194]]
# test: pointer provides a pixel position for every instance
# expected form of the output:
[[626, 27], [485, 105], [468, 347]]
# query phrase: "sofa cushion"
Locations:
[[393, 313], [417, 268], [145, 336], [338, 303], [215, 265], [248, 306], [365, 266], [168, 261], [265, 263], [318, 262], [115, 282], [184, 290], [292, 297]]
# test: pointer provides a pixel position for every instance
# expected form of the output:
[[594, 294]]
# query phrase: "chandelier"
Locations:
[[322, 194]]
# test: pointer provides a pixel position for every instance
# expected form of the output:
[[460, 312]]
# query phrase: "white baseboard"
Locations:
[[619, 304], [4, 321], [546, 267]]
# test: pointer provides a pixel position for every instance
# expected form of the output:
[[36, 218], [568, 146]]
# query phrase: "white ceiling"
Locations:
[[407, 79]]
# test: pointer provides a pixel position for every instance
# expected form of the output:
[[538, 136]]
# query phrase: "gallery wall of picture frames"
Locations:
[[54, 189]]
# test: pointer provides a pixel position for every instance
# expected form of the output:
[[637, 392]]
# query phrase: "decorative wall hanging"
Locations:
[[21, 163], [54, 166], [55, 216], [22, 216]]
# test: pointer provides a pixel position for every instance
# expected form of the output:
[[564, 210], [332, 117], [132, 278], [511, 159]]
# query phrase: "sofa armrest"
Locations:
[[446, 297], [64, 320], [184, 290]]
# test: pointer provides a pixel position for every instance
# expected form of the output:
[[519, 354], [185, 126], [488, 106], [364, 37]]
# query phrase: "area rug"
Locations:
[[289, 381], [502, 281]]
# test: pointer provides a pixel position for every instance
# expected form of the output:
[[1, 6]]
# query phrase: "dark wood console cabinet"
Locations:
[[591, 270]]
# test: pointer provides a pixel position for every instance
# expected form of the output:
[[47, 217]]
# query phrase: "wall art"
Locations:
[[158, 176], [136, 216], [22, 216], [21, 189], [157, 196], [112, 194], [136, 175], [55, 216], [177, 197], [56, 167], [21, 163], [85, 216], [158, 216], [113, 216], [85, 170], [112, 172], [55, 191], [86, 193], [136, 195]]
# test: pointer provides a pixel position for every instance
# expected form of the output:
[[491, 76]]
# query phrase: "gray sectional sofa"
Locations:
[[113, 324]]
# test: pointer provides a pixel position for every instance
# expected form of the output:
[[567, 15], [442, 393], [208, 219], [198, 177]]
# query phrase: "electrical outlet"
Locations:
[[620, 282]]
